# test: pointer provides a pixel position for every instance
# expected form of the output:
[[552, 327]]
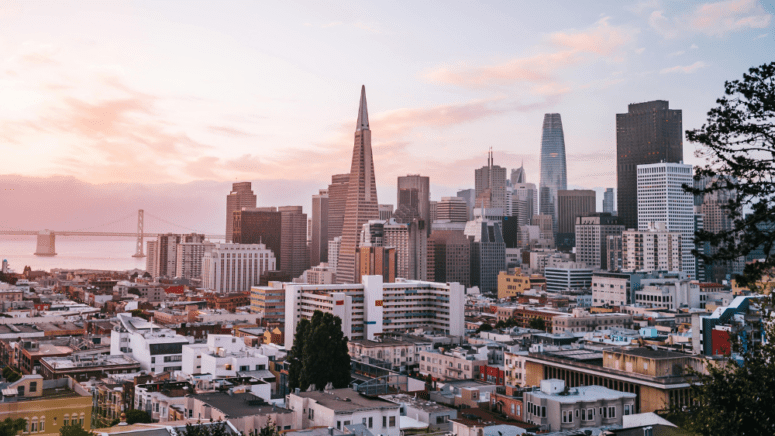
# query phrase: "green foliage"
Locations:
[[134, 416], [11, 427], [319, 354], [507, 323], [216, 429], [270, 429], [738, 143], [484, 328], [537, 323], [74, 430], [6, 278], [734, 399], [11, 375], [134, 291]]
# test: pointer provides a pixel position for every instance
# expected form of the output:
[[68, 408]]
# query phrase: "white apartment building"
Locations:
[[338, 408], [456, 364], [400, 353], [613, 289], [567, 275], [675, 291], [189, 259], [157, 349], [592, 234], [222, 356], [333, 252], [372, 308], [580, 321], [228, 268], [661, 198], [652, 249]]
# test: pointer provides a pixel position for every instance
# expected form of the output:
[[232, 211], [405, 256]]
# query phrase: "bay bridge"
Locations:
[[46, 239]]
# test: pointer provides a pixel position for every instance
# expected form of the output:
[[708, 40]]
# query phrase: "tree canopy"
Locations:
[[537, 323], [319, 353], [211, 429], [738, 144], [135, 415], [74, 430], [11, 427]]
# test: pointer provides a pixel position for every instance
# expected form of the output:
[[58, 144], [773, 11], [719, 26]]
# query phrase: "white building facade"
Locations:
[[228, 268]]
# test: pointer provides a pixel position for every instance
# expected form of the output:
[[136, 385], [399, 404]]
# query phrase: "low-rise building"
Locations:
[[579, 321], [437, 416], [84, 367], [513, 283], [157, 349], [338, 408], [401, 354], [456, 364]]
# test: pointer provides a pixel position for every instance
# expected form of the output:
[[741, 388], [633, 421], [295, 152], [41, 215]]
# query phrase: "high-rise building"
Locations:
[[488, 253], [189, 259], [293, 240], [544, 223], [608, 201], [572, 204], [240, 196], [553, 168], [337, 201], [648, 133], [318, 247], [385, 211], [434, 206], [524, 202], [652, 249], [518, 175], [414, 192], [449, 257], [377, 261], [469, 195], [452, 209], [361, 197], [717, 218], [333, 252], [152, 258], [260, 225], [229, 268], [661, 198], [592, 234], [490, 185], [163, 255], [411, 243], [614, 253]]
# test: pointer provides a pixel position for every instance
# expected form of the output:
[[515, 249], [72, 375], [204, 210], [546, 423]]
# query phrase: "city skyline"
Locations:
[[81, 115]]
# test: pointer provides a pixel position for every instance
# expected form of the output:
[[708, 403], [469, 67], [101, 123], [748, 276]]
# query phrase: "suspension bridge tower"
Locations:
[[139, 248]]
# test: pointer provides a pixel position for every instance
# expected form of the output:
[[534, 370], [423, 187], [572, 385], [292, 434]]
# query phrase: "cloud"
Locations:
[[573, 47], [230, 131], [713, 19], [763, 35], [694, 47], [678, 53], [684, 69], [640, 50]]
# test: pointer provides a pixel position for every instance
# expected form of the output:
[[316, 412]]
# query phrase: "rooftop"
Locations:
[[382, 342], [424, 405], [88, 361], [651, 353], [238, 405], [346, 399], [584, 394]]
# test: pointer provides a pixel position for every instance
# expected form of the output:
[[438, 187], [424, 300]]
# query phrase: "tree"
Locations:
[[738, 144], [74, 430], [485, 327], [11, 427], [537, 323], [134, 291], [135, 415], [211, 429], [735, 398], [270, 429], [319, 353]]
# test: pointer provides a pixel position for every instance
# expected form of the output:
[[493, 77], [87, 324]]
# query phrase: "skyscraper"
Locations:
[[293, 240], [240, 196], [318, 247], [337, 201], [490, 185], [452, 209], [469, 195], [362, 204], [385, 211], [571, 204], [608, 201], [411, 243], [524, 202], [661, 199], [648, 133], [715, 219], [414, 193], [553, 169], [518, 175], [488, 253], [592, 235], [449, 257]]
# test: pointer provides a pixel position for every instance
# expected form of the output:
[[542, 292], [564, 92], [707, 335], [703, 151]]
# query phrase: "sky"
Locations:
[[106, 107]]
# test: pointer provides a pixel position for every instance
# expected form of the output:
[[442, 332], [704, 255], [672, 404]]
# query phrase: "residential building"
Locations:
[[82, 368], [334, 246], [661, 198], [592, 232], [268, 301], [400, 353], [648, 133], [614, 289], [189, 259], [449, 257], [152, 254], [46, 405], [553, 168], [231, 268], [556, 409], [437, 416], [568, 275], [455, 364], [488, 253], [361, 197], [241, 409], [157, 349], [712, 334], [514, 365], [452, 209], [223, 356], [373, 308], [652, 249], [322, 274], [572, 204], [675, 291], [341, 408], [614, 253], [318, 247], [514, 282], [240, 196], [162, 256], [580, 320]]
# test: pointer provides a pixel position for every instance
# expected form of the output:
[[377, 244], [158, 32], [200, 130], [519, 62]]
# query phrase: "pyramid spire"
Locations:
[[363, 113]]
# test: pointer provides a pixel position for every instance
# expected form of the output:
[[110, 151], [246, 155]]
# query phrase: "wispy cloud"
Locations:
[[674, 54], [712, 19], [763, 35], [687, 69]]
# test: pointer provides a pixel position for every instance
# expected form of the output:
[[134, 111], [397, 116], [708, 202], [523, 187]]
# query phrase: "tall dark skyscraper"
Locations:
[[362, 204], [240, 196], [337, 201], [318, 247], [293, 240], [648, 133], [608, 200], [260, 225], [553, 169], [414, 193]]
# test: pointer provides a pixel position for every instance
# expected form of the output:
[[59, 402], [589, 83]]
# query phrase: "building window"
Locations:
[[543, 411], [34, 427], [626, 409], [311, 414], [384, 421], [371, 422], [612, 412], [33, 386], [66, 420], [42, 424]]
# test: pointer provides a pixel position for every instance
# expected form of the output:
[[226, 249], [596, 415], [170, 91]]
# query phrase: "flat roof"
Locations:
[[651, 353], [425, 405], [584, 394], [237, 405], [346, 399]]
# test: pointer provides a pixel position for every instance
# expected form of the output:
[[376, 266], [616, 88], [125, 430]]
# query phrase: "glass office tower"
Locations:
[[553, 168]]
